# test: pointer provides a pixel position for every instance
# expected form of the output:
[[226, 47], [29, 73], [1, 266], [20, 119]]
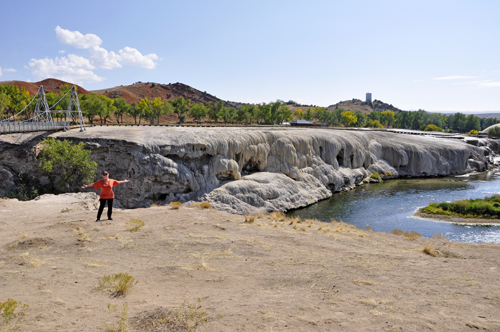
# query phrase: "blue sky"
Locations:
[[434, 55]]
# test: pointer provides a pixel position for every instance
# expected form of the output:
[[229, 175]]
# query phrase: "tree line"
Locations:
[[13, 99]]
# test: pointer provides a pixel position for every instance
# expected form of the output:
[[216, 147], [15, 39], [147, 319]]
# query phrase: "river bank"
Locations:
[[268, 275], [455, 220]]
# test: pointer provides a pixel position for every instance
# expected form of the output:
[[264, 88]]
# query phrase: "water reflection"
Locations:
[[388, 205]]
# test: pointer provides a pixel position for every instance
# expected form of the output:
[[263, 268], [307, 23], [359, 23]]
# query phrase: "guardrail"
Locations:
[[11, 127]]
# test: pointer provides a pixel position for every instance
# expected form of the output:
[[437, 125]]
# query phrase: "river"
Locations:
[[391, 204]]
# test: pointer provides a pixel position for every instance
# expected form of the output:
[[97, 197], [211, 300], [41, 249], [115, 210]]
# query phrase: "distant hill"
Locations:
[[359, 105], [49, 85], [135, 92]]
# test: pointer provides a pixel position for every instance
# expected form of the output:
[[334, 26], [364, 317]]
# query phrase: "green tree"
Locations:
[[472, 123], [108, 109], [308, 114], [361, 119], [198, 112], [71, 164], [214, 110], [181, 107], [135, 112], [92, 106], [19, 99], [122, 107], [4, 104], [246, 113]]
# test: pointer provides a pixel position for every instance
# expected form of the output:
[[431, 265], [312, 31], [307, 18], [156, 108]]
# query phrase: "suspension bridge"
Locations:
[[42, 119]]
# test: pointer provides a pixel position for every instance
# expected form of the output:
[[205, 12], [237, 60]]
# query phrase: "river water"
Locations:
[[391, 204]]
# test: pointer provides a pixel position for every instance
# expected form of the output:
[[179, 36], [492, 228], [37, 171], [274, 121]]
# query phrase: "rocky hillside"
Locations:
[[49, 85], [135, 92]]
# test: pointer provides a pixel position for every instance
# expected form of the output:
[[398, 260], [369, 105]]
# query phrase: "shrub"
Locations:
[[473, 132], [431, 251], [376, 176], [397, 231], [12, 312], [412, 235], [175, 205], [118, 284], [134, 225], [72, 162], [432, 127], [205, 205], [249, 218]]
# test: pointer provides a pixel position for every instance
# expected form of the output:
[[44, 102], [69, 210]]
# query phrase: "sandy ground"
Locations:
[[261, 276]]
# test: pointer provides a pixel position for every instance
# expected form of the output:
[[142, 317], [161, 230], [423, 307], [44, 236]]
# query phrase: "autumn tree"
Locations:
[[348, 118], [299, 114], [387, 118]]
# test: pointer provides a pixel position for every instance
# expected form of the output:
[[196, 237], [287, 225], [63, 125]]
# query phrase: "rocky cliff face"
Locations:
[[244, 170]]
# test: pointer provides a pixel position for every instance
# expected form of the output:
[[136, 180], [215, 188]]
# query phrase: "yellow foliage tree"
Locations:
[[349, 118]]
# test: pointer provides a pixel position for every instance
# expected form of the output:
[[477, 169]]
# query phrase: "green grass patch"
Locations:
[[480, 208]]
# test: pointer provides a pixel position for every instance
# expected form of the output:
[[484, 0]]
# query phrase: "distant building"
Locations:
[[368, 97], [301, 123]]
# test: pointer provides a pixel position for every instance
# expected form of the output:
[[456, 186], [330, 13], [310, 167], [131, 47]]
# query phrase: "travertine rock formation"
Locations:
[[244, 170]]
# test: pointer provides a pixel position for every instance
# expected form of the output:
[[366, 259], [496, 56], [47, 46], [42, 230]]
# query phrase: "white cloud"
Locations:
[[76, 39], [131, 56], [101, 58], [62, 51], [453, 77], [72, 68], [7, 70]]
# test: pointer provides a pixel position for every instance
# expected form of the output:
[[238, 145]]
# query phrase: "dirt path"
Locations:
[[261, 276]]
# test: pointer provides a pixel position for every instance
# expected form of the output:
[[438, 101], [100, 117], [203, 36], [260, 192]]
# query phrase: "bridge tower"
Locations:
[[73, 115], [42, 111]]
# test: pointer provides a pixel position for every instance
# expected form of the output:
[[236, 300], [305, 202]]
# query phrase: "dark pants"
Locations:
[[101, 207]]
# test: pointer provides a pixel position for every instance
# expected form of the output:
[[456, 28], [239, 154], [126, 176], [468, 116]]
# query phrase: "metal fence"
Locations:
[[7, 127]]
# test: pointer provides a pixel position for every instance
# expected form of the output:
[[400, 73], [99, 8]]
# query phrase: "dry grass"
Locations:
[[429, 250], [82, 236], [134, 225], [175, 205], [363, 282], [186, 317], [65, 210], [277, 216], [31, 260], [118, 284], [438, 236], [249, 218]]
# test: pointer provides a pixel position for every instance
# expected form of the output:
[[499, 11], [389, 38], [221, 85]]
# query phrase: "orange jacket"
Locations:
[[106, 188]]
